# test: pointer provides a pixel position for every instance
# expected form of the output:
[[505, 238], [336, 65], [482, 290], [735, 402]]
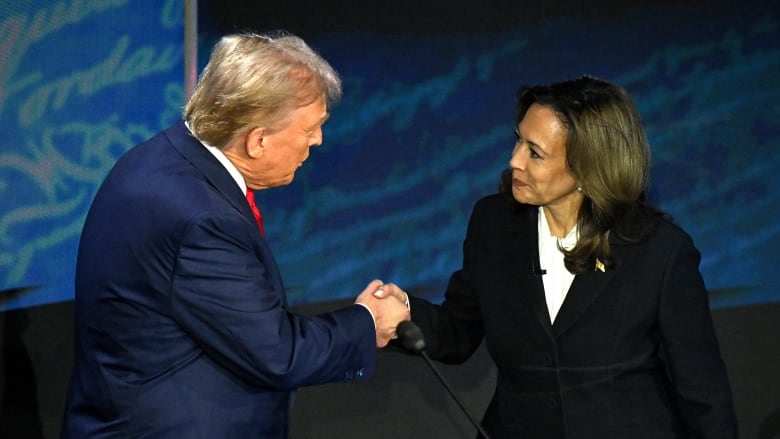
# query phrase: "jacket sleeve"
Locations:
[[698, 373], [222, 297], [453, 330]]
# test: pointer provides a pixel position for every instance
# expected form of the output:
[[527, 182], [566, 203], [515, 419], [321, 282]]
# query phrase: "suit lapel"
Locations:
[[213, 171], [523, 251], [590, 285], [585, 288], [219, 178]]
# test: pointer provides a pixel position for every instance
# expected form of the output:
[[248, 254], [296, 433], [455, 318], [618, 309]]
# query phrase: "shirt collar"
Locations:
[[567, 242], [222, 158]]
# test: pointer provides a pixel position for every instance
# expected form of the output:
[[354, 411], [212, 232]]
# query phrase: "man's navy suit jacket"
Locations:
[[182, 327]]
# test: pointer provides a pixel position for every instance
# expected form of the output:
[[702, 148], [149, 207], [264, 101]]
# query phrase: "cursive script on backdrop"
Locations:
[[65, 128]]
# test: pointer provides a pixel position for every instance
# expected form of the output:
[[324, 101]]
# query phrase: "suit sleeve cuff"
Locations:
[[373, 319]]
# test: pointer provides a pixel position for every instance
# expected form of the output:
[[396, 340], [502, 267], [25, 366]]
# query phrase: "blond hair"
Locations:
[[253, 80]]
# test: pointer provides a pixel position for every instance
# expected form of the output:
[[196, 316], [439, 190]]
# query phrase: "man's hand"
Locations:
[[387, 309], [392, 290]]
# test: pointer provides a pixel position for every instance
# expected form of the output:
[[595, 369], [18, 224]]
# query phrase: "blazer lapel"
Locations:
[[587, 286], [523, 250], [583, 291]]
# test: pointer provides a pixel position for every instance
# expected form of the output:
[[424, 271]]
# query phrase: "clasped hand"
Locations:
[[389, 306]]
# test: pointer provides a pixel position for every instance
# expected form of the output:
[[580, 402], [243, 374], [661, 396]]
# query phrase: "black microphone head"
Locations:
[[411, 336]]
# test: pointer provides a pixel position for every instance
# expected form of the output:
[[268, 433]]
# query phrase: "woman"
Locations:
[[590, 301]]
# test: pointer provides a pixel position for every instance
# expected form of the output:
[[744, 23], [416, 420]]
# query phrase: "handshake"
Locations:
[[389, 305]]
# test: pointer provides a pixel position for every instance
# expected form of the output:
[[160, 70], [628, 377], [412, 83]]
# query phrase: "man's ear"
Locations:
[[255, 142]]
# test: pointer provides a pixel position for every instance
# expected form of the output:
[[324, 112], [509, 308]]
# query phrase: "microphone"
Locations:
[[538, 271], [412, 339]]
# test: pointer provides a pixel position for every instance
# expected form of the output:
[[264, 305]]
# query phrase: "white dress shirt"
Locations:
[[557, 278]]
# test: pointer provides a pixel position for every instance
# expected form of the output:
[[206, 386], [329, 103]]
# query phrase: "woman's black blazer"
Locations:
[[631, 354]]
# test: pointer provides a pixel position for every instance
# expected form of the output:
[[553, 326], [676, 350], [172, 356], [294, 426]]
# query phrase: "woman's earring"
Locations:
[[579, 188]]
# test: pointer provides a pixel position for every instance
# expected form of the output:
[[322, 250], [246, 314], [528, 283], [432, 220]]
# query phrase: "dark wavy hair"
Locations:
[[608, 154]]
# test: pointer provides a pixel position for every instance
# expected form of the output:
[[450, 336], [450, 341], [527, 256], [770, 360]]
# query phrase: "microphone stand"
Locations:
[[452, 393], [411, 337]]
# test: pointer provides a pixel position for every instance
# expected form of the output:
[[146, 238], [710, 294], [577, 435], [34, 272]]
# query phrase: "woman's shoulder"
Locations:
[[503, 205], [498, 211], [657, 226], [668, 229]]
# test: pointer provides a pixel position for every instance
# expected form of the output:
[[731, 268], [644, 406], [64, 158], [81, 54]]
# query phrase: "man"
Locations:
[[182, 327]]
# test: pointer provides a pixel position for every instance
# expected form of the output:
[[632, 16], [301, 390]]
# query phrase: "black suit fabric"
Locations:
[[632, 352]]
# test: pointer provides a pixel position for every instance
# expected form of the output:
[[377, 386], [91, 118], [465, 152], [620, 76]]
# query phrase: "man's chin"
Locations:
[[286, 181]]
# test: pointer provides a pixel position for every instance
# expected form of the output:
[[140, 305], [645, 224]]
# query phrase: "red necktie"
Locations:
[[250, 197]]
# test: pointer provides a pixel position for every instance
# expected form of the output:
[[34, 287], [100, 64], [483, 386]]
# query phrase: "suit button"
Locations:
[[552, 402], [548, 361]]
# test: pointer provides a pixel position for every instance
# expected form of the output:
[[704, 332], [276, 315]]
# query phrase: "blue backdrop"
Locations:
[[424, 129]]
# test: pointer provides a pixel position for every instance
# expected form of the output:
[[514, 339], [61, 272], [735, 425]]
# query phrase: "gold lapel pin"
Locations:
[[599, 266]]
